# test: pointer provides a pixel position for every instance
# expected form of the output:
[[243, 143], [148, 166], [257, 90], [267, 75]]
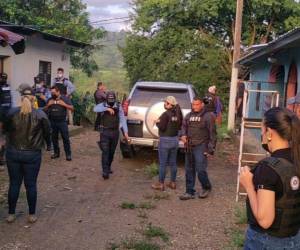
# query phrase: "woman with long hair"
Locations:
[[26, 129], [169, 124], [273, 202]]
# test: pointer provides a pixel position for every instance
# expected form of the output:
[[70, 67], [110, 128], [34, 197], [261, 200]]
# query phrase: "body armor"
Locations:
[[197, 131], [110, 121]]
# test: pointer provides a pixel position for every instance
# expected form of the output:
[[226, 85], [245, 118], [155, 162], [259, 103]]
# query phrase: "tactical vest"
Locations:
[[287, 207], [61, 85], [5, 96], [211, 105], [172, 126], [110, 121], [57, 113], [197, 131]]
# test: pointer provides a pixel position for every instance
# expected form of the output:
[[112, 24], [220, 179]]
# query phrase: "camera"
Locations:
[[3, 78]]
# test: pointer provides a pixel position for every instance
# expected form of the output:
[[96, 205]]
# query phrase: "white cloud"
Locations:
[[108, 9]]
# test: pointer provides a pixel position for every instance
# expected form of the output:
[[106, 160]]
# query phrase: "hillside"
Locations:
[[110, 62]]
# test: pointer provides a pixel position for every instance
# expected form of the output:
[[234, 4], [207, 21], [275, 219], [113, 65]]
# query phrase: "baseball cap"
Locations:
[[25, 89], [171, 99]]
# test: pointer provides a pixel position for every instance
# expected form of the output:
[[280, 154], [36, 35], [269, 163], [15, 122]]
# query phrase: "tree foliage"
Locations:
[[192, 40], [67, 18]]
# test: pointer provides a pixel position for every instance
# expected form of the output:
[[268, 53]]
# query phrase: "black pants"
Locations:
[[21, 165], [97, 122], [108, 142], [62, 128]]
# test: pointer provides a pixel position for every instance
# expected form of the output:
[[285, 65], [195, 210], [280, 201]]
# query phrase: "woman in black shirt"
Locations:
[[273, 203]]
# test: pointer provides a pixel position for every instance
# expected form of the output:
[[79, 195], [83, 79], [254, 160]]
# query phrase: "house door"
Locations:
[[45, 71], [292, 85]]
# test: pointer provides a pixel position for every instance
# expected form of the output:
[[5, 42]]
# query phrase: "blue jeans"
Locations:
[[262, 241], [62, 128], [196, 163], [109, 139], [167, 154], [21, 165]]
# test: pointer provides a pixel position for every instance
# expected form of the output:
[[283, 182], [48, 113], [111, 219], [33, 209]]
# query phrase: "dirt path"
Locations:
[[78, 210]]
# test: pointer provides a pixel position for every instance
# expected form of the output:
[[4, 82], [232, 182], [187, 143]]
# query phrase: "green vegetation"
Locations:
[[146, 205], [241, 215], [153, 231], [140, 245], [68, 18], [151, 170], [128, 205], [158, 196]]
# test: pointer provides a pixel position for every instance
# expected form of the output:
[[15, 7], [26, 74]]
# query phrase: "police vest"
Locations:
[[211, 105], [172, 126], [110, 121], [5, 96], [197, 130], [57, 113], [61, 85], [287, 207]]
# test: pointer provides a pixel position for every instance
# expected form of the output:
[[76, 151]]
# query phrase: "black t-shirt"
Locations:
[[266, 178]]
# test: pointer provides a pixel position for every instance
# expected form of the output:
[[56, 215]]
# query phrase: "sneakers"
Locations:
[[158, 186], [69, 158], [171, 185], [186, 196], [204, 193], [32, 218], [105, 176], [11, 218]]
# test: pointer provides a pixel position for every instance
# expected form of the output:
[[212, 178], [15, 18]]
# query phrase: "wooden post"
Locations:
[[236, 56]]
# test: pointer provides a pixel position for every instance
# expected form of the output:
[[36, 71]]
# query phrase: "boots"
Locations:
[[171, 185], [158, 186]]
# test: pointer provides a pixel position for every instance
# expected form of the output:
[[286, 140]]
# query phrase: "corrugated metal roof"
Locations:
[[25, 30], [272, 46]]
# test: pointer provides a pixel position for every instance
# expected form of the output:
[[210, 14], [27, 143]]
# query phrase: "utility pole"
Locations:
[[235, 70]]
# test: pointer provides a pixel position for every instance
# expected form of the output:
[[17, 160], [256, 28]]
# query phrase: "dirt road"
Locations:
[[78, 210]]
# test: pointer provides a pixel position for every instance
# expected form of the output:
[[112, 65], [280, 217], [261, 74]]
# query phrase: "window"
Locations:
[[45, 71]]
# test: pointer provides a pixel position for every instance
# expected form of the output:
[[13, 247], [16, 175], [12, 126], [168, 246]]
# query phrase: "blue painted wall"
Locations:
[[260, 71]]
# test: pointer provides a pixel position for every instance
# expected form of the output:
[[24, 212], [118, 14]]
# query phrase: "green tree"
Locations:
[[67, 18]]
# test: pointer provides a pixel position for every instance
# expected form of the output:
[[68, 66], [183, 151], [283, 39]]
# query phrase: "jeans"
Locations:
[[21, 165], [167, 154], [109, 139], [262, 241], [196, 162], [62, 128]]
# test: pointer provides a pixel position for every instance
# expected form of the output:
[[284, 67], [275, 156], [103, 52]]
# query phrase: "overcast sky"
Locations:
[[108, 9]]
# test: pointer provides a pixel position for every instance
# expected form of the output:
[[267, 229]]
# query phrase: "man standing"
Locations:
[[99, 96], [66, 87], [199, 136], [57, 107], [213, 103], [112, 118]]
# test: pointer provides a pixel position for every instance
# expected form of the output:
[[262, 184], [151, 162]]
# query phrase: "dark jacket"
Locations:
[[200, 128], [28, 132]]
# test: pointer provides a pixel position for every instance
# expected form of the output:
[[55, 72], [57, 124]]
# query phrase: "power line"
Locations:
[[110, 19], [114, 22]]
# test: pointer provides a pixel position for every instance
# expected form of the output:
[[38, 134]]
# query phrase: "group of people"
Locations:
[[273, 185], [28, 128]]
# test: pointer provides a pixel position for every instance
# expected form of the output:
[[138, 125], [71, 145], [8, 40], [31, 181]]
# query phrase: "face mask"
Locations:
[[38, 86], [60, 75], [264, 145], [111, 104]]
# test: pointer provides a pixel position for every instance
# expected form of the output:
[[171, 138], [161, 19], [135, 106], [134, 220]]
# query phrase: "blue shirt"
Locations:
[[102, 107]]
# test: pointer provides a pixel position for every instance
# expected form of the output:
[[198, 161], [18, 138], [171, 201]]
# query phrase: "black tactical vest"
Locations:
[[287, 207], [211, 102], [173, 125], [57, 113], [110, 121], [197, 131], [5, 96]]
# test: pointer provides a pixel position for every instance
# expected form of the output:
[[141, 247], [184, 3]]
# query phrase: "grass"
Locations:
[[146, 205], [128, 205], [140, 245], [237, 238], [151, 170], [153, 231], [241, 215]]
